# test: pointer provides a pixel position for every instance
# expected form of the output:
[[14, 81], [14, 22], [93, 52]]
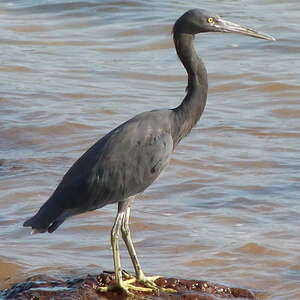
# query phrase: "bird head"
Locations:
[[199, 20]]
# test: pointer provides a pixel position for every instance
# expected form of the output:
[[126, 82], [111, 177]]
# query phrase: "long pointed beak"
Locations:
[[226, 26]]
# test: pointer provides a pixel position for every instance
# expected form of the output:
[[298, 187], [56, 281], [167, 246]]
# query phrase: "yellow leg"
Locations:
[[115, 232], [129, 244], [121, 224], [140, 277], [126, 285]]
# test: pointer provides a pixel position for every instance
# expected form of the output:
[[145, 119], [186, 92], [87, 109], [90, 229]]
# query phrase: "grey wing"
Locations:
[[131, 162], [123, 163]]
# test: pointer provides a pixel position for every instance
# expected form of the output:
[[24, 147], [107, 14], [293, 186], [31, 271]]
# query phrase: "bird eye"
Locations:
[[210, 20]]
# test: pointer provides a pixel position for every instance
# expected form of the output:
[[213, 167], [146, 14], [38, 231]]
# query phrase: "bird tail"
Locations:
[[47, 219]]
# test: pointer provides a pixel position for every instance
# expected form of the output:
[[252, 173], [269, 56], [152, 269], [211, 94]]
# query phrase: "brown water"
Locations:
[[227, 208]]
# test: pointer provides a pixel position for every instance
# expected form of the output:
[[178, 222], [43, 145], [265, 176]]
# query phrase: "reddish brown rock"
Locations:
[[45, 288]]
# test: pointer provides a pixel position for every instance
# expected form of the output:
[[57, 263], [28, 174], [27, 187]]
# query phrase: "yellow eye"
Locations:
[[210, 20]]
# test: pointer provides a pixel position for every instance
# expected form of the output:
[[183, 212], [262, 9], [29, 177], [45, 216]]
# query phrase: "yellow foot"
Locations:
[[127, 286], [150, 283]]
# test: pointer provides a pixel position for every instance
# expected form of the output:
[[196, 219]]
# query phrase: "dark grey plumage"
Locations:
[[121, 164], [129, 158]]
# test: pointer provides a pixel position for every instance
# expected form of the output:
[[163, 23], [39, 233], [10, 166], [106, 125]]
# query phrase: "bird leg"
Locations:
[[140, 277], [129, 244], [115, 232], [124, 286]]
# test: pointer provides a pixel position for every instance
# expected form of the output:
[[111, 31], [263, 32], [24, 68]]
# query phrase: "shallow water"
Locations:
[[225, 210]]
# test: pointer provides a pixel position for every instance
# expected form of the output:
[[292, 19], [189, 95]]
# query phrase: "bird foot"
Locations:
[[150, 283], [128, 287], [125, 287]]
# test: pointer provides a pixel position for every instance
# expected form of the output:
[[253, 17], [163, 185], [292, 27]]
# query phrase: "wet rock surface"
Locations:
[[42, 287]]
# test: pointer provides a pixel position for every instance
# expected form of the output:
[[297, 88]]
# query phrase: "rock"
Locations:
[[45, 288]]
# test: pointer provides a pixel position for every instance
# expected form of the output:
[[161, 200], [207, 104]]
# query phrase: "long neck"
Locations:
[[189, 111]]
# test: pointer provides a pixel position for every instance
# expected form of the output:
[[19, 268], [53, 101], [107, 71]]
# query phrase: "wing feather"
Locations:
[[121, 164]]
